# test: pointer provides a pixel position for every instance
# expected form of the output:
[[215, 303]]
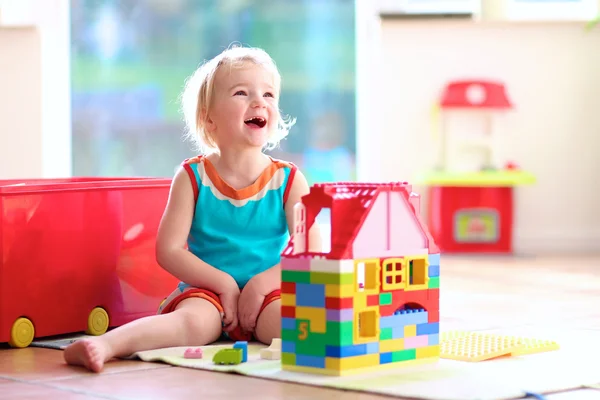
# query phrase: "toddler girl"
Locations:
[[227, 219]]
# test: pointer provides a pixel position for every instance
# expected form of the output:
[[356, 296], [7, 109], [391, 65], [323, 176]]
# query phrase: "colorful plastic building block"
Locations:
[[370, 300], [90, 237], [244, 346], [228, 356], [480, 346], [273, 352], [193, 352]]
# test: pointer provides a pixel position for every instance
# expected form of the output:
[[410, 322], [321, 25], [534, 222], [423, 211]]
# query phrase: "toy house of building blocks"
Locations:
[[369, 299]]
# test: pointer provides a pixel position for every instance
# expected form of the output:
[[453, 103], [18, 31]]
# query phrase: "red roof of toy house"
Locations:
[[477, 94], [350, 204]]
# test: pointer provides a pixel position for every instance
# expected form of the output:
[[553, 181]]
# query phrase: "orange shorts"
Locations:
[[177, 296]]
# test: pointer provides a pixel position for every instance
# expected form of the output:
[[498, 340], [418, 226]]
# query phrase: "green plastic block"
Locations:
[[386, 333], [289, 335], [385, 299], [434, 283], [295, 276], [404, 355], [330, 278], [339, 333], [313, 345], [288, 358]]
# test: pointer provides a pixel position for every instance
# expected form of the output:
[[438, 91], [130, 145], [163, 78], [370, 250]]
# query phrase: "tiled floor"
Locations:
[[477, 293]]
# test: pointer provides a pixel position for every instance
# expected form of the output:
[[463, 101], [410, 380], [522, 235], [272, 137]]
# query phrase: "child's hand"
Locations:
[[229, 301], [249, 304]]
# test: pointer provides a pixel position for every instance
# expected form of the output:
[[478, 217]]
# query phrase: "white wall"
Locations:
[[52, 19], [552, 74], [20, 104]]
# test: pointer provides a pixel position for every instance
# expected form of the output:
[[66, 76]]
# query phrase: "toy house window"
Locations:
[[417, 272], [366, 275], [368, 325], [323, 223], [394, 274], [299, 228]]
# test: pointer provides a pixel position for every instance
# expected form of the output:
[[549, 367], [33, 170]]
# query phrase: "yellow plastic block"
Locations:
[[288, 299], [395, 270], [449, 335], [316, 316], [361, 370], [389, 345], [339, 291], [340, 364], [520, 345], [366, 325], [476, 347], [429, 351], [410, 331], [371, 269], [359, 301], [420, 274], [532, 346]]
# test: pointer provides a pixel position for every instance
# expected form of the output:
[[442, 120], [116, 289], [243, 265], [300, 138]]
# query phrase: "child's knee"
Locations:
[[199, 320], [268, 324]]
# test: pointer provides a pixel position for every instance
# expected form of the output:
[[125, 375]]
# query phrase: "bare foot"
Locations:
[[90, 353]]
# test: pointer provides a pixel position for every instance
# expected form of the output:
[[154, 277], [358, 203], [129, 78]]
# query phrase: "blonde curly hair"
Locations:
[[199, 88]]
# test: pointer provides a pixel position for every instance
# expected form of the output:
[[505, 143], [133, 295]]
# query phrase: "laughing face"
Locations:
[[244, 110]]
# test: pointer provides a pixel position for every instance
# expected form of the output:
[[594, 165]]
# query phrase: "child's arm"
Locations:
[[271, 278], [171, 252]]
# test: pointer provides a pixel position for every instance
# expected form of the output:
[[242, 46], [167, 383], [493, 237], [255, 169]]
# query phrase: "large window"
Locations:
[[130, 59]]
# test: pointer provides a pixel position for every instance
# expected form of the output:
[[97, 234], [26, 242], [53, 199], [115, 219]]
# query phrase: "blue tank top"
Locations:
[[241, 232]]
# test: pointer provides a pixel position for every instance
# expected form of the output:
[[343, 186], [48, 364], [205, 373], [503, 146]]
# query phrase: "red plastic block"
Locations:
[[373, 300], [338, 304], [288, 287], [288, 312]]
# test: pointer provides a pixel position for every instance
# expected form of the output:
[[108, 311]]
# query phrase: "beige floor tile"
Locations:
[[38, 364], [183, 383], [11, 390]]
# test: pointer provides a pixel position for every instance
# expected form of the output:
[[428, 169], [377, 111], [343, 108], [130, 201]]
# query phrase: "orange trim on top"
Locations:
[[249, 191], [192, 176], [288, 187]]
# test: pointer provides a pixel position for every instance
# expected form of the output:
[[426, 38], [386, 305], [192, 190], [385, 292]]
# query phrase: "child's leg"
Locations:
[[194, 322], [268, 324]]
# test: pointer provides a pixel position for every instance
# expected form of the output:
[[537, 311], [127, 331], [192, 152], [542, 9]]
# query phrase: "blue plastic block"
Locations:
[[428, 329], [244, 346], [288, 323], [373, 348], [288, 347], [310, 361], [404, 317], [346, 351], [385, 358], [433, 259], [433, 339], [434, 271], [310, 295], [397, 332]]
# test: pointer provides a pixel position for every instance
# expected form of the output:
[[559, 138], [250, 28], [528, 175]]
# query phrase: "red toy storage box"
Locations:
[[78, 255]]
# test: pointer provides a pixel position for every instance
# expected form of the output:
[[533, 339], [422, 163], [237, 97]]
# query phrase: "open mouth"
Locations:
[[258, 122]]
